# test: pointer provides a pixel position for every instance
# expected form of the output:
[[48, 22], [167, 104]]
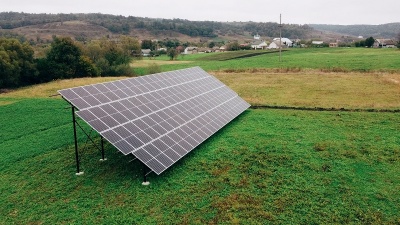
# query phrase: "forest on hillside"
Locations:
[[123, 25], [389, 30]]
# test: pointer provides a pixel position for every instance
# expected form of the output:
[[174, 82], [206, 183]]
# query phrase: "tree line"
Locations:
[[369, 42], [66, 59]]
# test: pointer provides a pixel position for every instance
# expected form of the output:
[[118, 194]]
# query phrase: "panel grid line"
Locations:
[[187, 122], [137, 94], [155, 111]]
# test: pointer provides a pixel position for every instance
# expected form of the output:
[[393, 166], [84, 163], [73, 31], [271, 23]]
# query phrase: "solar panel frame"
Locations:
[[158, 118]]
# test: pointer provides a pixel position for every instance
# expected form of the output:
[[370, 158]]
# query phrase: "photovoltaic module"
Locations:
[[158, 118]]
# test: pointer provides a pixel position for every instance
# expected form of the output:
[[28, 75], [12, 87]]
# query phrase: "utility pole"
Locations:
[[280, 37]]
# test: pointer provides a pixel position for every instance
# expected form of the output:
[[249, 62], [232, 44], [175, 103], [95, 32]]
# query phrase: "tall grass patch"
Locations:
[[316, 89]]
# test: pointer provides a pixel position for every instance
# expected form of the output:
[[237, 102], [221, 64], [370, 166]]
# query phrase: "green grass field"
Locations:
[[323, 59], [265, 167]]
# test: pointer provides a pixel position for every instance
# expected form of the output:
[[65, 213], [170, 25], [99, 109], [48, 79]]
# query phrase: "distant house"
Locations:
[[384, 43], [146, 52], [333, 45], [277, 44], [215, 49], [285, 41], [257, 37], [317, 42], [222, 48], [263, 45], [274, 45], [190, 50], [259, 44], [205, 50]]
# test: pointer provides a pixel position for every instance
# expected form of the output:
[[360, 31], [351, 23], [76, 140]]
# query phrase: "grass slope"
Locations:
[[267, 166]]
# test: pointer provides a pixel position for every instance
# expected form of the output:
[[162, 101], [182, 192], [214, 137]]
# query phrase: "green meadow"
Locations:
[[322, 59], [268, 166]]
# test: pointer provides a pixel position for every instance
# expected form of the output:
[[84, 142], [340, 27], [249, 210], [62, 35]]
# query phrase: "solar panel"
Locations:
[[158, 118]]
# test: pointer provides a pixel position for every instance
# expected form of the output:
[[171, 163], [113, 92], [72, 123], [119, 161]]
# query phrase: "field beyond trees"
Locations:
[[294, 60], [268, 166]]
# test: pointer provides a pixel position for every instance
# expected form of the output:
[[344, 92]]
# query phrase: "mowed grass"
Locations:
[[265, 167], [234, 55], [320, 59]]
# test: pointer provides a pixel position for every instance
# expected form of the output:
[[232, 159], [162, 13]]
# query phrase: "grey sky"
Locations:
[[342, 12]]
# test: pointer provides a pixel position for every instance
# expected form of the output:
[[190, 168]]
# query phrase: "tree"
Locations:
[[116, 55], [148, 44], [171, 43], [130, 47], [93, 50], [369, 42], [233, 46], [211, 44], [65, 61], [172, 53], [360, 43], [17, 65], [112, 58]]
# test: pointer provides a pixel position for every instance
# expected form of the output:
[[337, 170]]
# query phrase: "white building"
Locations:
[[275, 45], [285, 41], [190, 50], [317, 42], [259, 45]]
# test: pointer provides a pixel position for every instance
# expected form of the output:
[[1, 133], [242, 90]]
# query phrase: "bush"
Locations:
[[153, 68], [123, 70]]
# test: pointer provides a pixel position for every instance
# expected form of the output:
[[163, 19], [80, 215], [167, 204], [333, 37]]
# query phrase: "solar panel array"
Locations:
[[158, 118]]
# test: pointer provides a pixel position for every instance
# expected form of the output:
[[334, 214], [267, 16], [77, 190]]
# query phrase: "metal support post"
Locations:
[[145, 182], [102, 149], [78, 172]]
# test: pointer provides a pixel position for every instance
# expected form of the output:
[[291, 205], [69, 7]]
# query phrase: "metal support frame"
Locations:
[[145, 173], [102, 149], [146, 170], [78, 172]]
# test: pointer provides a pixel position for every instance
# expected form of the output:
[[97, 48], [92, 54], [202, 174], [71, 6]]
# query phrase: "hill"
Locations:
[[41, 28], [90, 26], [390, 30], [74, 28]]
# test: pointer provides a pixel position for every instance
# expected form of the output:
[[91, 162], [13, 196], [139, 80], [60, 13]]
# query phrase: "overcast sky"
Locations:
[[343, 12]]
